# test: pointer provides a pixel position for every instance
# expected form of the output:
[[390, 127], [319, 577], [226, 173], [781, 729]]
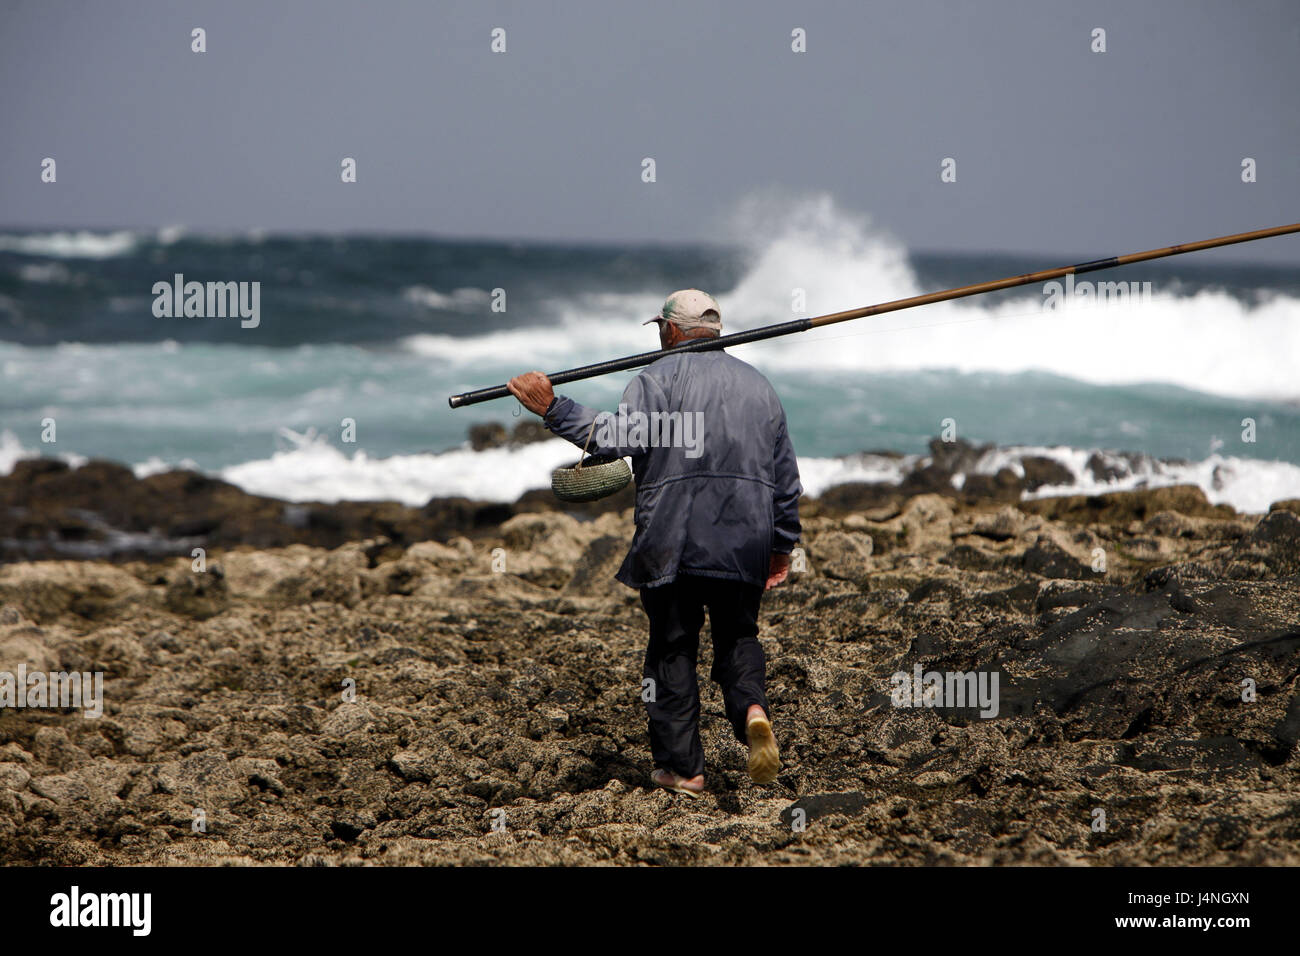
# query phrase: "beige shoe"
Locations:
[[764, 759], [676, 783]]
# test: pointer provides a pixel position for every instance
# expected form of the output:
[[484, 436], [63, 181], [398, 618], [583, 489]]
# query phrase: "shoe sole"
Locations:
[[676, 788], [764, 758]]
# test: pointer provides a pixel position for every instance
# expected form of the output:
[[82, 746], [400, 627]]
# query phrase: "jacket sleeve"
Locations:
[[573, 422], [785, 524]]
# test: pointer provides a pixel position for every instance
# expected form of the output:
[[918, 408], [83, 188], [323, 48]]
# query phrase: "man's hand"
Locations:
[[533, 389], [777, 570]]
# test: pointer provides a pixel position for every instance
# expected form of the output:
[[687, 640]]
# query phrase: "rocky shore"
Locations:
[[365, 683]]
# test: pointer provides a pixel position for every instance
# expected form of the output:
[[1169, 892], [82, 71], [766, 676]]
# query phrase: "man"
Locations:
[[717, 515]]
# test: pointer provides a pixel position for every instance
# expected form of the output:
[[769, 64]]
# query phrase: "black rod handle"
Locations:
[[636, 361]]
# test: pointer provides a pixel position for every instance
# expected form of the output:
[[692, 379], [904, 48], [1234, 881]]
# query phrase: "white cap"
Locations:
[[688, 309]]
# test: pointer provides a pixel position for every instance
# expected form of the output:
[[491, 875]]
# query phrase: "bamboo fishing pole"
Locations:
[[803, 325]]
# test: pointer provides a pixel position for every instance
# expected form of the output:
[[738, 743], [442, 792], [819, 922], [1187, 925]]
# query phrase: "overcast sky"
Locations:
[[1057, 148]]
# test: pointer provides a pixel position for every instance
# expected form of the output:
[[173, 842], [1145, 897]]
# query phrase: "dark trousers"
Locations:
[[676, 613]]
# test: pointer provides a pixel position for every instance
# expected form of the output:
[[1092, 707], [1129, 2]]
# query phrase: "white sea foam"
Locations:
[[433, 299], [12, 451], [156, 466], [1246, 484], [70, 245], [316, 470], [319, 471], [45, 272], [818, 474], [1210, 341]]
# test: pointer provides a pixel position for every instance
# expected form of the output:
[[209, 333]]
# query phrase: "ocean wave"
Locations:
[[71, 245], [462, 298], [12, 451], [1247, 484], [314, 469], [318, 471], [813, 258], [55, 273]]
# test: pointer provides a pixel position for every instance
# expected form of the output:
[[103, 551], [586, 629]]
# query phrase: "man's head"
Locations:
[[688, 314]]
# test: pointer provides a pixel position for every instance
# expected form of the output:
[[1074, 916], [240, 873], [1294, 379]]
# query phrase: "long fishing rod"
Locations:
[[803, 325]]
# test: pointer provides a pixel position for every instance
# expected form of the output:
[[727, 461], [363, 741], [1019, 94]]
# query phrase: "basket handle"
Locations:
[[591, 431]]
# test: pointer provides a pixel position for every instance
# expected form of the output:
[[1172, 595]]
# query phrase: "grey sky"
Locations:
[[1058, 149]]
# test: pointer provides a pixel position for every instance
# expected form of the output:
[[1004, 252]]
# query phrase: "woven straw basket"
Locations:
[[592, 478]]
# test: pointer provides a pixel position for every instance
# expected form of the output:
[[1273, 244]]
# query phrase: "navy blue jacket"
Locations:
[[717, 484]]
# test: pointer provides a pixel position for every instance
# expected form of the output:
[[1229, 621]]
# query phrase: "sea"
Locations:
[[339, 391]]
